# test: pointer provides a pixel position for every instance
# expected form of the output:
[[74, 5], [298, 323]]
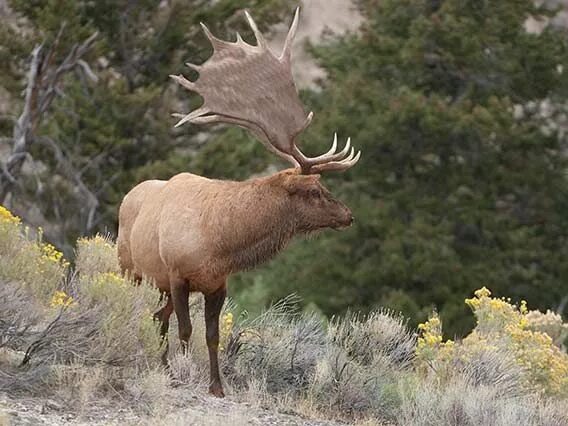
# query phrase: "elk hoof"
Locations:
[[217, 391]]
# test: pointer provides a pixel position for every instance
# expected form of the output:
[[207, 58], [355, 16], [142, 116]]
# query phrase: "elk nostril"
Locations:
[[351, 220]]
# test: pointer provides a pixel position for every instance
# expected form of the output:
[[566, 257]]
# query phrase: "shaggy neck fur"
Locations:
[[260, 221]]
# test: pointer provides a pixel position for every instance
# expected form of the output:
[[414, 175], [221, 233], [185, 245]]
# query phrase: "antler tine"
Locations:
[[339, 166], [194, 115], [333, 146], [330, 156], [183, 81], [217, 43], [259, 37], [287, 50], [193, 66]]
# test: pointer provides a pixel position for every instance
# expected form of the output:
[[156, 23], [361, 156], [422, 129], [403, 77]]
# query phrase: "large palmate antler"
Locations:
[[249, 86]]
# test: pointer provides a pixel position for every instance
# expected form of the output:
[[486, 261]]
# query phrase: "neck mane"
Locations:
[[259, 223]]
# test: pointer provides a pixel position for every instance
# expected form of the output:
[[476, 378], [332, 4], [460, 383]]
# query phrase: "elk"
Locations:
[[190, 233]]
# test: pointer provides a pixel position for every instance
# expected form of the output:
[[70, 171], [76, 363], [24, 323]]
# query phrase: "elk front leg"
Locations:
[[213, 304], [180, 296], [163, 316]]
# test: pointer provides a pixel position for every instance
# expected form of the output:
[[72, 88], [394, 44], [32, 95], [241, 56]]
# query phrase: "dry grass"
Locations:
[[19, 314], [460, 402]]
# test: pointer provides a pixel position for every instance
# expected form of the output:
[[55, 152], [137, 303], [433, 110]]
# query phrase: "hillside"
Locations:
[[85, 350]]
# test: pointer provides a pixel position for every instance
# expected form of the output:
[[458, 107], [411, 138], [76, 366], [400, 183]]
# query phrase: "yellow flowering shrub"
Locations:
[[50, 253], [225, 330], [6, 216], [103, 287], [507, 327], [10, 231], [492, 314], [549, 323], [430, 345], [61, 299], [29, 260], [545, 364]]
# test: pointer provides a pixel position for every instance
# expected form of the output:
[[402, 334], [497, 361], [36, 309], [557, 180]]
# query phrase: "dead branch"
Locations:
[[43, 84]]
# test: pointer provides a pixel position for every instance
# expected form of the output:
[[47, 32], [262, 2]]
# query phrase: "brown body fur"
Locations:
[[190, 233]]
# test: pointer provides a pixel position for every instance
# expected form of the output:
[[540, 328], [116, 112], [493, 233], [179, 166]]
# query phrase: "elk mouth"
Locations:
[[339, 226]]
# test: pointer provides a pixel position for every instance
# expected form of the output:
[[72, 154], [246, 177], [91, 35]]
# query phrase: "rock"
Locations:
[[51, 405]]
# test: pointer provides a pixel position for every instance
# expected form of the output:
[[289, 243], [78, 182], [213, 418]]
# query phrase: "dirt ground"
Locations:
[[196, 410]]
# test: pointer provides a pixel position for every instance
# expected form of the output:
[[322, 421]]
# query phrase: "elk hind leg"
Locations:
[[163, 317], [213, 305], [180, 297]]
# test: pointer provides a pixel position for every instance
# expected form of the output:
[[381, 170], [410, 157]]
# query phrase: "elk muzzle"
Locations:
[[344, 217]]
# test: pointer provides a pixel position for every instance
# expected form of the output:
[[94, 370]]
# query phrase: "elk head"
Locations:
[[250, 87], [311, 205]]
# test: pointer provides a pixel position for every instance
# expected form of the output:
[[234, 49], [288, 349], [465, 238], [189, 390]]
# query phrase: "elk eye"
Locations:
[[314, 193]]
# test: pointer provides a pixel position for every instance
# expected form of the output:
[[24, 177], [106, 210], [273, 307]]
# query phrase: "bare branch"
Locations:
[[88, 71], [42, 87]]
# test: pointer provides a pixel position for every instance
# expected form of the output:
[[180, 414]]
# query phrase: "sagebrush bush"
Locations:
[[349, 368], [459, 402], [127, 330], [96, 255], [549, 323], [20, 313], [280, 348], [366, 358], [106, 320], [381, 334]]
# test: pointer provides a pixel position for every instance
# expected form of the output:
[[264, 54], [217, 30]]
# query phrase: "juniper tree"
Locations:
[[462, 182]]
